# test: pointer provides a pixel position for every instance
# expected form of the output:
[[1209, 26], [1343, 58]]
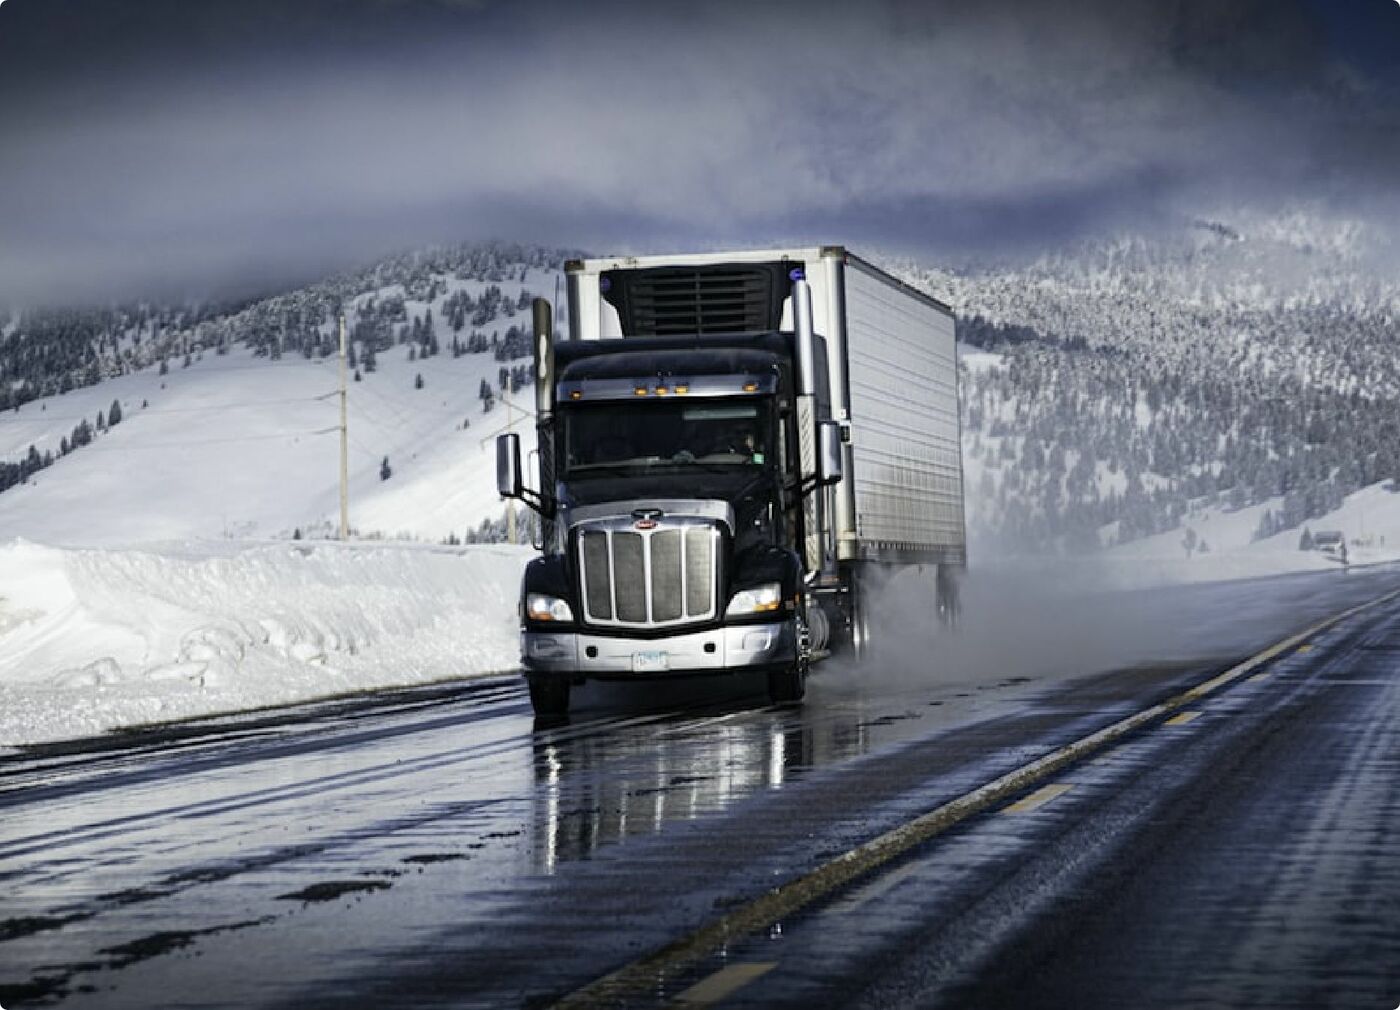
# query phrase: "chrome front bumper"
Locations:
[[744, 646]]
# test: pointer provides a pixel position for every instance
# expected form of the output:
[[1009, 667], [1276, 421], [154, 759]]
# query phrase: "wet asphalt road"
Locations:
[[435, 848]]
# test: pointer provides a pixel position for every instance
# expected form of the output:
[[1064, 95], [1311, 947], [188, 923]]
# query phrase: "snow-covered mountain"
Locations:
[[1134, 382], [1113, 391], [229, 422]]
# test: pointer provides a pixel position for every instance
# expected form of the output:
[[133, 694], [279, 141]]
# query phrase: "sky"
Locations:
[[162, 148]]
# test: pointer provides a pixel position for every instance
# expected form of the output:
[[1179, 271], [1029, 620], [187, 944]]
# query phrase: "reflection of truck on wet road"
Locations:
[[733, 449]]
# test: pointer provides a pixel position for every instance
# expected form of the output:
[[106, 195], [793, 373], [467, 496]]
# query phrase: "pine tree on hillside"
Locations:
[[114, 415], [385, 470]]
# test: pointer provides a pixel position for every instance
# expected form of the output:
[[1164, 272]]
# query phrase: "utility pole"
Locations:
[[510, 426], [344, 443]]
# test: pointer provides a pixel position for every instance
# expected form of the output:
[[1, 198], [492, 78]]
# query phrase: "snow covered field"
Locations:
[[93, 640]]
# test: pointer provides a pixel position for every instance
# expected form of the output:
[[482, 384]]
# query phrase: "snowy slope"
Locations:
[[150, 575], [1247, 363], [237, 446]]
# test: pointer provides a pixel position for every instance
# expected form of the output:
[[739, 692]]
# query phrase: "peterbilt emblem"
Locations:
[[646, 518]]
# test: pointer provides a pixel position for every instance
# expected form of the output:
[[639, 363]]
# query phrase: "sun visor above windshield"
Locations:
[[639, 386], [709, 372]]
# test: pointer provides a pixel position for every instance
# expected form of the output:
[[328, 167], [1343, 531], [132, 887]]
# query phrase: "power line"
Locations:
[[218, 441], [318, 362], [135, 412]]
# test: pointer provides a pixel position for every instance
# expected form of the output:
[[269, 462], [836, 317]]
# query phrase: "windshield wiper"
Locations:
[[603, 469], [706, 467]]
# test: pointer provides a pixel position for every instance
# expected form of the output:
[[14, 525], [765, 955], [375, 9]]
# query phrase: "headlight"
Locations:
[[539, 607], [756, 600]]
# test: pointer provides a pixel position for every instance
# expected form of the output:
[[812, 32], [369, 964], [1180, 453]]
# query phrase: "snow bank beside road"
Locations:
[[93, 640]]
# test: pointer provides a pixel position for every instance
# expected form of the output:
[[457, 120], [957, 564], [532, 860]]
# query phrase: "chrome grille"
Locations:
[[649, 578]]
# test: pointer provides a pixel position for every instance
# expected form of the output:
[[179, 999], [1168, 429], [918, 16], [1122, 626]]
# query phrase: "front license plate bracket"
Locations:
[[650, 661]]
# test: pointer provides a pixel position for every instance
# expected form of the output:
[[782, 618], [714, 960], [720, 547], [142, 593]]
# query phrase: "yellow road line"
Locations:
[[722, 983], [1182, 718], [642, 975], [1305, 648], [1038, 799]]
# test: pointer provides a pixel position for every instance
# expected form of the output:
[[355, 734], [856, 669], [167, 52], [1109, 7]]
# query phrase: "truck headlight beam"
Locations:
[[755, 600], [539, 607]]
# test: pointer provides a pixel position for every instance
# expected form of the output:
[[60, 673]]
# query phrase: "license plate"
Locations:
[[650, 662]]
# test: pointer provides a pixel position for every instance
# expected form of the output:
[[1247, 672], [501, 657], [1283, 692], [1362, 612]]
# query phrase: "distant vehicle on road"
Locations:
[[1332, 543]]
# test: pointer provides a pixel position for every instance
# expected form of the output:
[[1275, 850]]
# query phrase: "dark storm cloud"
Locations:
[[198, 146]]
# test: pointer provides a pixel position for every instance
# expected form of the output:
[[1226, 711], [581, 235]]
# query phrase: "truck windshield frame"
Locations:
[[664, 435]]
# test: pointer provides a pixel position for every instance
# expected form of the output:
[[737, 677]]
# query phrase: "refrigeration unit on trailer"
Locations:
[[733, 447]]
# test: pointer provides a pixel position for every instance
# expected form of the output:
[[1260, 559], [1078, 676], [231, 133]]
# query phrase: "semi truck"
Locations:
[[734, 451]]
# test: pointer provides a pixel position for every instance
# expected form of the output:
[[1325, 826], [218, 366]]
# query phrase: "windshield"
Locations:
[[606, 436]]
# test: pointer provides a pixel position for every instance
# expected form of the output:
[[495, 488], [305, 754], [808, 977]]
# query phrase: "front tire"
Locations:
[[787, 684], [549, 696]]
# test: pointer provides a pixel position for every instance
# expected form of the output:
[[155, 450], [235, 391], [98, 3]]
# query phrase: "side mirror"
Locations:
[[508, 481], [829, 459]]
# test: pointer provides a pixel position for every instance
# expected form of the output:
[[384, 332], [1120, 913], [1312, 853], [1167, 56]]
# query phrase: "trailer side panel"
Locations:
[[902, 374]]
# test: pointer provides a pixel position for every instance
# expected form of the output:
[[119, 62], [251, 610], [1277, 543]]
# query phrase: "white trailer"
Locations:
[[891, 363]]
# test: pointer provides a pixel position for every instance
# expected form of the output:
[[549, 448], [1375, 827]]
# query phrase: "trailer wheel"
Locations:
[[948, 602], [862, 630], [549, 696]]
